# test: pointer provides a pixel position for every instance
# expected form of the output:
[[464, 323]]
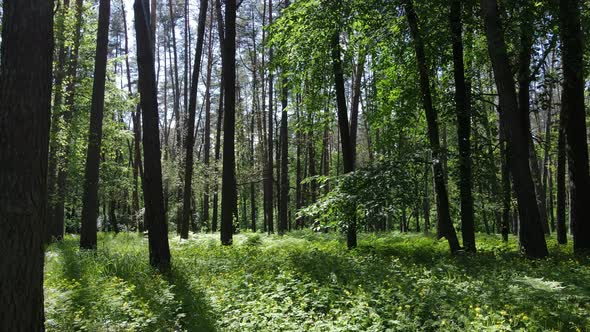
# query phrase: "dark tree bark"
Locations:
[[90, 198], [55, 230], [220, 30], [155, 218], [572, 51], [356, 97], [298, 173], [343, 125], [534, 240], [506, 189], [426, 201], [207, 140], [25, 106], [445, 224], [176, 85], [547, 188], [284, 204], [268, 174], [228, 194], [561, 189], [463, 106], [190, 126]]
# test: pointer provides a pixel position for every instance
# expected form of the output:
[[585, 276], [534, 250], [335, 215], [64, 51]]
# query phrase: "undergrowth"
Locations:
[[310, 282]]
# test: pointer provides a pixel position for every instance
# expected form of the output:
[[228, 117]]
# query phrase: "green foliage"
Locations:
[[310, 281]]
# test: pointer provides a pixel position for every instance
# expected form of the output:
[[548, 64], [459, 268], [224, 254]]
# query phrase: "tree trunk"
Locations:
[[561, 188], [463, 106], [90, 198], [356, 97], [546, 150], [220, 30], [155, 217], [534, 240], [572, 50], [444, 217], [228, 194], [55, 230], [284, 206], [207, 140], [190, 126], [298, 175], [25, 105], [343, 125], [268, 174], [506, 190]]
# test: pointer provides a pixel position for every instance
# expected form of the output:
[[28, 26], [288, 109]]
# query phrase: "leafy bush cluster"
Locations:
[[310, 282]]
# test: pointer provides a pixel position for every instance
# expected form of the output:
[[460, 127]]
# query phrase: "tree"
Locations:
[[190, 125], [55, 229], [25, 105], [533, 239], [90, 198], [343, 125], [572, 53], [207, 140], [561, 188], [228, 194], [445, 224], [268, 172], [155, 218], [463, 106], [284, 196]]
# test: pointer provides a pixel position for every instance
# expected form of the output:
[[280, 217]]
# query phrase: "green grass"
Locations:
[[311, 282]]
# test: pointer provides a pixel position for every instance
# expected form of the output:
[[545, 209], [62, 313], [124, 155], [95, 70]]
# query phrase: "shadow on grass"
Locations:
[[199, 315], [100, 286]]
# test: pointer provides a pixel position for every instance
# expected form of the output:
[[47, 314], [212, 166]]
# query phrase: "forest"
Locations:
[[294, 165]]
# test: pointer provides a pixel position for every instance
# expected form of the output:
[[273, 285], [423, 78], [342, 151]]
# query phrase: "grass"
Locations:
[[310, 282]]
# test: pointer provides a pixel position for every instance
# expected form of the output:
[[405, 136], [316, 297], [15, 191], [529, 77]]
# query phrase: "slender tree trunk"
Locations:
[[55, 230], [572, 50], [534, 240], [426, 203], [228, 194], [356, 97], [506, 189], [221, 33], [155, 217], [268, 176], [444, 217], [153, 23], [561, 188], [25, 105], [176, 103], [343, 125], [90, 198], [298, 175], [207, 140], [463, 105], [546, 150], [284, 208], [190, 126]]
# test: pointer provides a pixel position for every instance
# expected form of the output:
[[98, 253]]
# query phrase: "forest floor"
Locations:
[[310, 282]]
